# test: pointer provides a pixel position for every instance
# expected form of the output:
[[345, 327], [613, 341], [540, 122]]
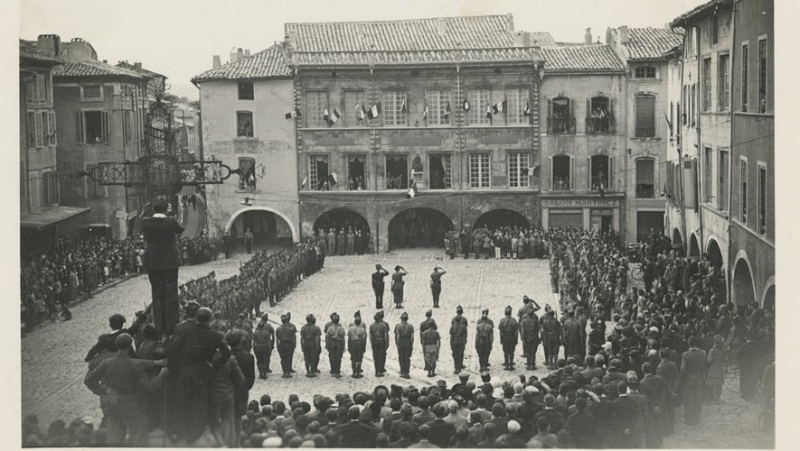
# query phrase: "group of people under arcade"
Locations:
[[507, 242], [343, 240]]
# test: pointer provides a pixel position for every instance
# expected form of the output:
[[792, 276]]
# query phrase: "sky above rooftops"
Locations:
[[179, 37]]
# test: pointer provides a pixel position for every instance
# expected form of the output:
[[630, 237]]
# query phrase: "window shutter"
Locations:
[[589, 173], [79, 127], [51, 123], [571, 169], [37, 119], [550, 171], [612, 118], [549, 116], [571, 123], [695, 188], [588, 108], [105, 126], [610, 173]]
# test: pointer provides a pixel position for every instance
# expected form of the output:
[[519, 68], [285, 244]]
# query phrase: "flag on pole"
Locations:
[[447, 111], [333, 179], [335, 116], [425, 114], [466, 105], [527, 111], [291, 114], [360, 113], [412, 191], [403, 108], [488, 112], [499, 107], [305, 180], [375, 111], [326, 117]]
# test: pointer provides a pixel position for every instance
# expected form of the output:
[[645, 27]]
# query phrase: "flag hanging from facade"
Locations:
[[425, 114], [527, 110], [335, 116], [488, 112], [375, 111], [305, 180], [403, 108], [333, 179], [466, 105], [447, 111], [325, 116], [360, 112], [499, 107], [412, 191], [291, 114]]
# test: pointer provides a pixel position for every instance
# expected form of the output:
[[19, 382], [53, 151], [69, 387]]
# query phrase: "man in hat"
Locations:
[[458, 339], [357, 344], [509, 331], [379, 339], [423, 326], [436, 284], [161, 260], [310, 344], [334, 343], [484, 338], [430, 348], [263, 343], [551, 338], [190, 313], [378, 285], [286, 336], [404, 337], [529, 331]]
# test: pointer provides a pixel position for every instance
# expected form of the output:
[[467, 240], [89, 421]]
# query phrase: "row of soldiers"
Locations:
[[527, 328], [263, 277], [347, 241]]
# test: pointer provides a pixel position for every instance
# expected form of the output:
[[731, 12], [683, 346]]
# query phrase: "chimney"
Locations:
[[80, 50], [233, 56], [239, 54], [247, 53], [608, 35], [510, 20], [588, 37], [522, 39], [137, 65], [217, 63], [48, 43], [291, 38], [623, 34], [441, 25]]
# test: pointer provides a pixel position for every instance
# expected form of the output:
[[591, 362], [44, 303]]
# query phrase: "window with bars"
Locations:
[[724, 71], [395, 111], [318, 172], [316, 104], [517, 102], [645, 116], [745, 65], [743, 179], [479, 171], [645, 178], [762, 76], [41, 87], [244, 124], [437, 101], [762, 198], [518, 167], [478, 100], [644, 72], [707, 84], [441, 171], [352, 101]]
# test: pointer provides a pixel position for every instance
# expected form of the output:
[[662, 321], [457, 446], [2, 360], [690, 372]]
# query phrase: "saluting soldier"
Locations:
[[509, 330], [357, 344], [404, 337], [529, 331], [310, 344], [484, 337], [551, 337], [286, 336], [378, 284], [430, 347], [458, 339], [436, 284], [263, 343], [334, 343], [379, 338]]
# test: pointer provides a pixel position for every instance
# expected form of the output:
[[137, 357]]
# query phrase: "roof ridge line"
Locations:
[[394, 20]]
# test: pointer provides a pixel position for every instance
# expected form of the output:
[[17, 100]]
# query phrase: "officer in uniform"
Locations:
[[423, 326], [310, 344], [484, 337], [334, 343], [509, 331], [430, 348], [379, 338], [286, 336], [378, 284], [263, 343], [436, 284], [272, 286], [458, 339], [573, 335], [404, 337], [529, 332], [551, 338], [357, 344]]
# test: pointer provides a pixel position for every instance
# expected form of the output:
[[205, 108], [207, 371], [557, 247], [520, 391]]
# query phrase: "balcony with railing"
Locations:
[[561, 125], [645, 191], [600, 125]]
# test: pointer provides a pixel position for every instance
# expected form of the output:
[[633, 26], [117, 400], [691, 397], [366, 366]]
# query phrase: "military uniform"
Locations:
[[458, 341], [379, 338], [404, 337], [509, 331], [310, 344], [573, 337], [430, 348], [334, 343], [263, 343], [357, 345], [484, 337], [529, 331], [423, 326], [286, 336], [551, 338]]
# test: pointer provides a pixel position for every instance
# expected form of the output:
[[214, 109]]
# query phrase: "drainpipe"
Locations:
[[728, 271]]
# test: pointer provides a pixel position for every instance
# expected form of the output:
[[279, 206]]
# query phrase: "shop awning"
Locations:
[[49, 217]]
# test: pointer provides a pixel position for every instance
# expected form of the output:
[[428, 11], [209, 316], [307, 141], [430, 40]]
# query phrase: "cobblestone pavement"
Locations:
[[53, 367]]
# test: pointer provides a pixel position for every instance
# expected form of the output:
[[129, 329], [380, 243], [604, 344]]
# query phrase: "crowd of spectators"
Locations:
[[508, 242]]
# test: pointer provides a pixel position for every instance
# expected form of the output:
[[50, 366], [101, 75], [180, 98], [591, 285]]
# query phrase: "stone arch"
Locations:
[[714, 253], [677, 241], [768, 296], [502, 217], [341, 217], [278, 214], [744, 290], [418, 227], [694, 246]]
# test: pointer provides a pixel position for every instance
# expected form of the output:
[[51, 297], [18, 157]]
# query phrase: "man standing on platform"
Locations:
[[379, 338], [357, 344], [436, 284], [404, 337], [484, 338], [161, 261], [458, 339]]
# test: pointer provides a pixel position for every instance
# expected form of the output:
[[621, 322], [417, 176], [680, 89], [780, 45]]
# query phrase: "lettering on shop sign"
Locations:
[[335, 141], [416, 141], [580, 203], [504, 138]]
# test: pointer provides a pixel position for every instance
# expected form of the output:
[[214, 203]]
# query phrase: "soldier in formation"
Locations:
[[404, 337], [484, 338], [357, 344], [509, 331], [379, 339], [458, 339], [310, 344]]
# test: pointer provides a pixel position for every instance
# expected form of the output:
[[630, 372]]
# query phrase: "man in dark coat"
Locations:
[[658, 394], [378, 284], [105, 343], [161, 260], [286, 338], [693, 367], [441, 431], [236, 340], [529, 331], [354, 433], [484, 338], [580, 426], [192, 353], [509, 332], [458, 339], [551, 338], [263, 343], [404, 338], [311, 345], [379, 339]]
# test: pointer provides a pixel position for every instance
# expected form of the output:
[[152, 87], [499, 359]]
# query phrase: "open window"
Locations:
[[356, 172], [645, 178], [562, 119], [318, 172], [562, 173], [599, 115], [440, 171], [91, 127], [396, 172], [244, 124], [247, 174], [600, 173]]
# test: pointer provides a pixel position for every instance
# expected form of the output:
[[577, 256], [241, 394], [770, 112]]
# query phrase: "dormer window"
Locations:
[[644, 72]]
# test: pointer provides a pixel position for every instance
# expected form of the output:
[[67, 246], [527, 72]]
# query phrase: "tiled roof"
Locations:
[[477, 56], [698, 12], [585, 58], [93, 68], [29, 52], [648, 43], [268, 63], [403, 35], [129, 66], [542, 38]]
